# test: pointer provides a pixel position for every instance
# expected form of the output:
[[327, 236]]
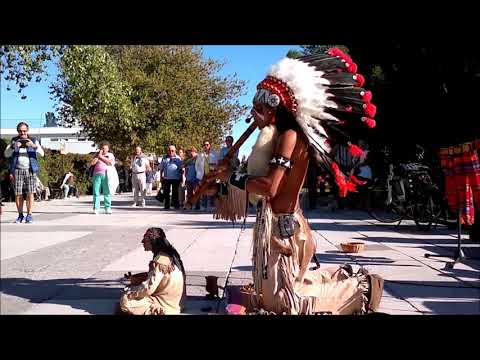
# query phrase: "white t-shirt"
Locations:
[[139, 164]]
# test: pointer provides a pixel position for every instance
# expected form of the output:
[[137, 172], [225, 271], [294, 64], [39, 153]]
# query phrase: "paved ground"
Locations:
[[70, 261]]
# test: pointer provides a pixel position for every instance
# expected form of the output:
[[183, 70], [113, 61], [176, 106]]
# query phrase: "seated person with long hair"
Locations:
[[160, 291]]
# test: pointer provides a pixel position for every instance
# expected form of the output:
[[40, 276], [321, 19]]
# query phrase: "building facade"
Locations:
[[66, 140]]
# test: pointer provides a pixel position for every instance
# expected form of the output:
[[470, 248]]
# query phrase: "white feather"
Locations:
[[308, 85]]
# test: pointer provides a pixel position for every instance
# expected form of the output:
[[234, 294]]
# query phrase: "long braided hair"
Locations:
[[161, 244]]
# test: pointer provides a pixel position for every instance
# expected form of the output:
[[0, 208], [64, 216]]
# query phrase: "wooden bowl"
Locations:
[[352, 247]]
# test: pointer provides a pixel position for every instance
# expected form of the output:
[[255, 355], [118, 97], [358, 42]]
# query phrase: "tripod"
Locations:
[[459, 255]]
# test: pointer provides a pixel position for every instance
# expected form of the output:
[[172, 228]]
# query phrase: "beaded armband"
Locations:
[[281, 161], [238, 180]]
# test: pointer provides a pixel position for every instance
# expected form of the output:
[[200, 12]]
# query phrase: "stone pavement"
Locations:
[[70, 261]]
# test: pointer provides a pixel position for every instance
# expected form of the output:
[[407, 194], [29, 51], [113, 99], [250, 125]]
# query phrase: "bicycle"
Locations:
[[404, 194]]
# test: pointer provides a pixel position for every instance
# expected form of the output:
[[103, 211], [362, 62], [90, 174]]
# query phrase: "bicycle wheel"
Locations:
[[379, 207], [424, 213]]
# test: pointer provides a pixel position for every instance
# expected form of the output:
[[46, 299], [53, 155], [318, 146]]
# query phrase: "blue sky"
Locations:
[[249, 62]]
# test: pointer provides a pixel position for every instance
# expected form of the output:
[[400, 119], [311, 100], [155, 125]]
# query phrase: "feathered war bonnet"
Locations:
[[325, 95]]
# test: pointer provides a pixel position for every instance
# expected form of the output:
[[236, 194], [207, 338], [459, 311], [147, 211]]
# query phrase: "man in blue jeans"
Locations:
[[171, 172]]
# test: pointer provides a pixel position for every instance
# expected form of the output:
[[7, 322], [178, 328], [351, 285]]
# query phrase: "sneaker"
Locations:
[[143, 204], [29, 219], [19, 219], [134, 205], [95, 211], [108, 211]]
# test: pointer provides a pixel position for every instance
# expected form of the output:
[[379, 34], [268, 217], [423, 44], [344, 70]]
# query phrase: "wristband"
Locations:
[[281, 161]]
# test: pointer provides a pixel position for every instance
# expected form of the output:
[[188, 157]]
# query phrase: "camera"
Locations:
[[23, 142]]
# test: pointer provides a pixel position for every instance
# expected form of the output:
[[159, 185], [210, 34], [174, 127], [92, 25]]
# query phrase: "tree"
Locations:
[[178, 95], [293, 54], [21, 63], [90, 92], [315, 49], [148, 95]]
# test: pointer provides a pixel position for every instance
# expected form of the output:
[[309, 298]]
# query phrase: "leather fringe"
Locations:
[[233, 206]]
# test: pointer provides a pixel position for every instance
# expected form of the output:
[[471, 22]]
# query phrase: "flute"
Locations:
[[204, 185]]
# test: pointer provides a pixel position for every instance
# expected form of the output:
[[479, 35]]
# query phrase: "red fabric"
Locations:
[[462, 180]]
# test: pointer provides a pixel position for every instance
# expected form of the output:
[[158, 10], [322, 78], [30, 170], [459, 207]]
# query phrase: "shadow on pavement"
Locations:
[[338, 214], [91, 295], [453, 298], [444, 247], [213, 224], [362, 227], [334, 257]]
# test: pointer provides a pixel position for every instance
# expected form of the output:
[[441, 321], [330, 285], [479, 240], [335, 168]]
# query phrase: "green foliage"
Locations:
[[178, 96], [4, 163], [148, 95], [43, 173], [54, 166], [316, 49], [293, 54], [21, 63], [377, 74], [90, 91]]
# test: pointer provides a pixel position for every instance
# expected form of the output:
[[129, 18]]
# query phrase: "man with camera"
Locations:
[[23, 151]]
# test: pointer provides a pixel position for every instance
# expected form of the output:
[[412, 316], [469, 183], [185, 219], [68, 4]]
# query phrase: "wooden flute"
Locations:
[[206, 183]]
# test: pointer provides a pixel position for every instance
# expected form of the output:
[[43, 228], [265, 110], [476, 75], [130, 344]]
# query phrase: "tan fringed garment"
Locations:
[[285, 285], [231, 207], [160, 294]]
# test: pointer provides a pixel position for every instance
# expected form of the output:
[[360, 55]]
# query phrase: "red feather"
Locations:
[[370, 110], [344, 187], [340, 180], [339, 53], [369, 122], [352, 68], [354, 150], [360, 80], [356, 181], [367, 96]]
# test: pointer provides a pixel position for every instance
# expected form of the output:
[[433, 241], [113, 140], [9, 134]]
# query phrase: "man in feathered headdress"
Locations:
[[303, 107]]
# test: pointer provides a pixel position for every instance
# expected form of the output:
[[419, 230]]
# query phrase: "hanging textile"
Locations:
[[461, 168]]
